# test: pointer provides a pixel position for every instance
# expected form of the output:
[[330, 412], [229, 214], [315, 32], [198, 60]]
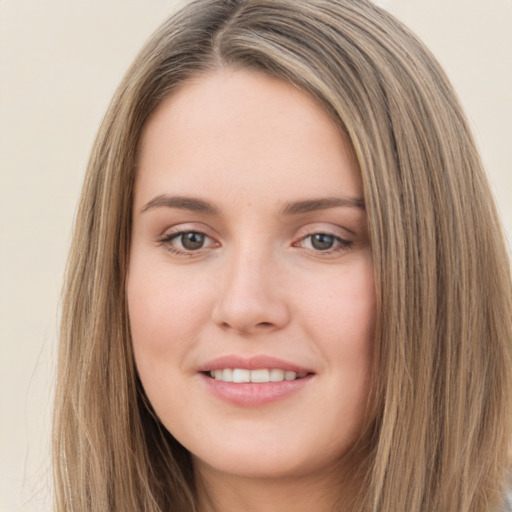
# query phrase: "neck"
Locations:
[[221, 492]]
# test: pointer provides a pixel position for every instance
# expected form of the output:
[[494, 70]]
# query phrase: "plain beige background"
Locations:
[[60, 61]]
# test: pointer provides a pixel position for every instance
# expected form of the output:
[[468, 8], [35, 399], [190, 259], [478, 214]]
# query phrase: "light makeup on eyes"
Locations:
[[187, 242], [324, 243], [193, 242]]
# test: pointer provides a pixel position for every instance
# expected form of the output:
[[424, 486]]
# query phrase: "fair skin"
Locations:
[[250, 252]]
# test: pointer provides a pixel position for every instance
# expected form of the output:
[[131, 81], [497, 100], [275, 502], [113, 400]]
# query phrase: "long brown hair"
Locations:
[[441, 407]]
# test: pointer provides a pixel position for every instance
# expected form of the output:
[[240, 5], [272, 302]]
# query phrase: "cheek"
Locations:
[[167, 312], [164, 322], [343, 306], [342, 322], [163, 304]]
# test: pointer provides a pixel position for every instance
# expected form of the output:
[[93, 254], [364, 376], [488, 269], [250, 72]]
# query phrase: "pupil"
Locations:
[[322, 241], [192, 241]]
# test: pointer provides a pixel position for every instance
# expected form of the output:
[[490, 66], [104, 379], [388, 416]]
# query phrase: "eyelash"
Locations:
[[168, 242], [339, 244]]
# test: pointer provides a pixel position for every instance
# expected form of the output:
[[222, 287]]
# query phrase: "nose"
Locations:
[[251, 298]]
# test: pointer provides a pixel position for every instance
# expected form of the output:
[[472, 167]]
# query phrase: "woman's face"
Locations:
[[250, 261]]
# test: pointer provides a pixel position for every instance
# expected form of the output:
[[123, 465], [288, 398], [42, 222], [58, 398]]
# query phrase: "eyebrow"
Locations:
[[290, 208], [181, 203], [298, 207]]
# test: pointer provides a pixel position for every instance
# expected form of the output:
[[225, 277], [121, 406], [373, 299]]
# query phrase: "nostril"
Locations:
[[247, 314], [264, 324]]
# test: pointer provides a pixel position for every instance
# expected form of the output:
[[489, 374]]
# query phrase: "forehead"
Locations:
[[243, 130]]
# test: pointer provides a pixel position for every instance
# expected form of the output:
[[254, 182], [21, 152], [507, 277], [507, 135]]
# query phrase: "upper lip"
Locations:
[[251, 363]]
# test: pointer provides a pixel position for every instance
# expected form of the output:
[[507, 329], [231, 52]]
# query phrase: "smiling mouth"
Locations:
[[259, 376]]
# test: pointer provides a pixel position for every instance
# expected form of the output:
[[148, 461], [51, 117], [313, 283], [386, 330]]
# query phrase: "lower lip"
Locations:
[[250, 394]]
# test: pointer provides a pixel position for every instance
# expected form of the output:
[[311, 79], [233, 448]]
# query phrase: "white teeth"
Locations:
[[276, 375], [260, 376], [240, 375]]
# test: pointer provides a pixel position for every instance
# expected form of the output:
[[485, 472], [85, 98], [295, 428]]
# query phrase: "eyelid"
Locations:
[[344, 238], [185, 227], [173, 232], [342, 242], [326, 228]]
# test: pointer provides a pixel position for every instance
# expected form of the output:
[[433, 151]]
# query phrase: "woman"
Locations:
[[288, 288]]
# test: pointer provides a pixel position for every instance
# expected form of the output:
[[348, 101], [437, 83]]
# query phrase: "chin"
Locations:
[[264, 468], [268, 460]]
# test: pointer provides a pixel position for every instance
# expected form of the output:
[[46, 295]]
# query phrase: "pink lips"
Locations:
[[251, 363], [253, 394]]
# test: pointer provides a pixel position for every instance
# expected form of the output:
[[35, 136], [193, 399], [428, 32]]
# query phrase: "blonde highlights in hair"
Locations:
[[440, 418]]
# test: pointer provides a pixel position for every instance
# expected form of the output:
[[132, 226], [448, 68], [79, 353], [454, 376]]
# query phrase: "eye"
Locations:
[[187, 242], [191, 240], [326, 243], [322, 241]]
